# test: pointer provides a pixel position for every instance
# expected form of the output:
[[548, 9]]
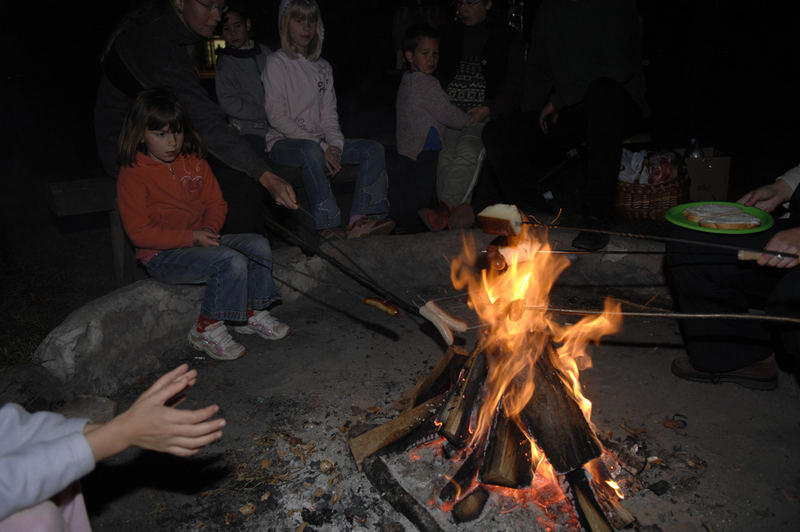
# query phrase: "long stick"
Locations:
[[643, 236], [375, 287], [673, 315]]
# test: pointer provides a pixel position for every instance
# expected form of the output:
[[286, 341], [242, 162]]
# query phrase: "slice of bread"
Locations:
[[740, 220], [500, 219], [709, 210]]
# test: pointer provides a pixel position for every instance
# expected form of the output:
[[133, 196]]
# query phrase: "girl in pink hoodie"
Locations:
[[304, 128]]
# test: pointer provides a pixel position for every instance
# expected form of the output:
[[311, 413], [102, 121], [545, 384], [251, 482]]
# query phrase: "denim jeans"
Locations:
[[372, 182], [237, 274]]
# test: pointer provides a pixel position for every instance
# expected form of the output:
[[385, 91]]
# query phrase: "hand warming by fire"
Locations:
[[514, 420]]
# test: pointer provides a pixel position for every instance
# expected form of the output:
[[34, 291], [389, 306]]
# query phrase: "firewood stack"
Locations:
[[446, 403]]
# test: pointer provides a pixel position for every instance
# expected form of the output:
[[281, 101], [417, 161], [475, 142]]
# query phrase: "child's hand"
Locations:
[[333, 160], [205, 238], [153, 422], [478, 115]]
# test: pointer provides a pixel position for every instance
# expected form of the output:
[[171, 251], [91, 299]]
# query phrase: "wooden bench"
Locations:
[[97, 195]]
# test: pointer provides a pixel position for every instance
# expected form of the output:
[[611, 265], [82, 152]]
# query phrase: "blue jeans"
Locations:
[[237, 274], [372, 182]]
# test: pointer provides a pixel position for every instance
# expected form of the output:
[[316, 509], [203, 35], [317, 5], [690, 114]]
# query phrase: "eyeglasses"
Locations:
[[220, 7], [467, 3]]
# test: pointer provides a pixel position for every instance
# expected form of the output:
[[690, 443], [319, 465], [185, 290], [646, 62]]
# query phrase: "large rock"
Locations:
[[116, 339], [108, 341]]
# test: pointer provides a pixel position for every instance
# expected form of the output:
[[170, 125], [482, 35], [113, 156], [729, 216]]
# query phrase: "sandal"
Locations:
[[763, 375], [332, 233]]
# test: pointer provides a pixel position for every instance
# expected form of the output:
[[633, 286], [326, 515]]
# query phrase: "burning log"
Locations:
[[555, 421], [438, 381], [508, 457], [372, 441], [457, 412], [471, 506], [464, 477], [589, 511]]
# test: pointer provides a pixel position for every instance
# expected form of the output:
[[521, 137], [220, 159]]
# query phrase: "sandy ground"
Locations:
[[732, 465]]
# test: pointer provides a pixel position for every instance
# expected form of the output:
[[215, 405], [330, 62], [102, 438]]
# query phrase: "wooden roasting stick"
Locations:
[[506, 220]]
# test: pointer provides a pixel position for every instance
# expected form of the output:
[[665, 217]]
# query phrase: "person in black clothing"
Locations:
[[152, 48], [705, 280], [584, 83]]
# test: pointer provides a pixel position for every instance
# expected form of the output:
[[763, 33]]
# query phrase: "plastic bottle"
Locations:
[[694, 151], [515, 15]]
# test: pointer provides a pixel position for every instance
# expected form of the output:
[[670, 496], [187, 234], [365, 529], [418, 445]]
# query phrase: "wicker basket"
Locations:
[[645, 201]]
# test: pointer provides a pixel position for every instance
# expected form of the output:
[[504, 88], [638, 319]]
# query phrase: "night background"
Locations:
[[724, 72]]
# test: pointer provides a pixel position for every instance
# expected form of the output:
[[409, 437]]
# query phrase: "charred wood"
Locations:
[[443, 376], [630, 461], [457, 413], [471, 506], [589, 511], [508, 456], [465, 475], [555, 421], [372, 441], [380, 477]]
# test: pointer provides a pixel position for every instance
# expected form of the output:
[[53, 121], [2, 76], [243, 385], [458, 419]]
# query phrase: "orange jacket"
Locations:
[[161, 204]]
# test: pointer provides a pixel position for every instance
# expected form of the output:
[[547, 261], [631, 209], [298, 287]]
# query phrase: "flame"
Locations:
[[520, 331], [513, 304]]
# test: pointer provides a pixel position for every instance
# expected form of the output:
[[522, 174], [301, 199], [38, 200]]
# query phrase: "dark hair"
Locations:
[[152, 110], [233, 7], [415, 33]]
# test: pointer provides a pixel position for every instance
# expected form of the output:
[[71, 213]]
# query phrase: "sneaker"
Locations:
[[216, 342], [370, 226], [763, 375], [265, 325], [461, 217], [590, 241], [435, 219]]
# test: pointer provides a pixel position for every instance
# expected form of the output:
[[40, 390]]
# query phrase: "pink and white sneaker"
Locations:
[[216, 342], [265, 325]]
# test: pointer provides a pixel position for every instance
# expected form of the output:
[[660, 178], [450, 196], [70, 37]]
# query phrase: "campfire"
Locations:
[[511, 414]]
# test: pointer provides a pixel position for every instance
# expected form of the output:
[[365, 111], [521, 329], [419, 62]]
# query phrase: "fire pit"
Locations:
[[510, 414]]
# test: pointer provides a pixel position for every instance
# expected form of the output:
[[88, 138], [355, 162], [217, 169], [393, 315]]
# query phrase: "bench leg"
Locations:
[[126, 268]]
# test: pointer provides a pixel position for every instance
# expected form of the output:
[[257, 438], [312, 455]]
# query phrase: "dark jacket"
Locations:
[[502, 61], [575, 43], [152, 50]]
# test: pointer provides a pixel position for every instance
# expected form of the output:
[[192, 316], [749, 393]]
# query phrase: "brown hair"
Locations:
[[152, 110]]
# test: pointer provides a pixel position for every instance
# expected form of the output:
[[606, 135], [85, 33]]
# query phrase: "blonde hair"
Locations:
[[301, 8]]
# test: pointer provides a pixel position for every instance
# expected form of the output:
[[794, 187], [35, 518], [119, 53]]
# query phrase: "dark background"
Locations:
[[724, 72]]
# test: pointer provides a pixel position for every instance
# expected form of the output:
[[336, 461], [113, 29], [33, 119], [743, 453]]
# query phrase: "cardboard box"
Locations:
[[708, 177]]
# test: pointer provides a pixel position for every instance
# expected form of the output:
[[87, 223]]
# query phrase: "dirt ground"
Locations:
[[721, 457]]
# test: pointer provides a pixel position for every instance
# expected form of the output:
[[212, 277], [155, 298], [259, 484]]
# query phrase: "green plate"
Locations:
[[675, 215]]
